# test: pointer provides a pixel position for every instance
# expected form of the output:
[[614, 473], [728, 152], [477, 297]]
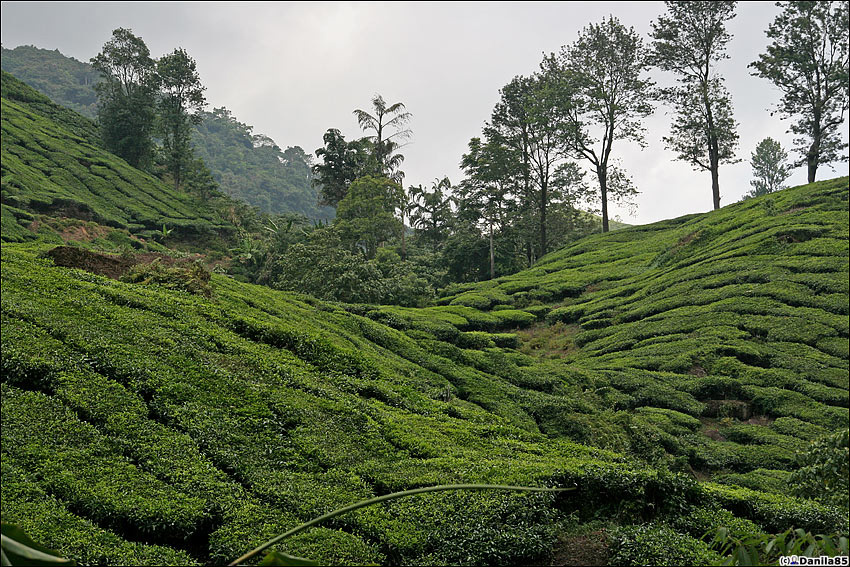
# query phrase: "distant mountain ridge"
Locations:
[[64, 79], [250, 167]]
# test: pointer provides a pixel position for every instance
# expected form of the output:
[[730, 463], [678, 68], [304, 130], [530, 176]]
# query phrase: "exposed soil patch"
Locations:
[[714, 434], [794, 210], [108, 265], [697, 370], [84, 233], [67, 208], [711, 428], [687, 239], [101, 264], [762, 420], [584, 549]]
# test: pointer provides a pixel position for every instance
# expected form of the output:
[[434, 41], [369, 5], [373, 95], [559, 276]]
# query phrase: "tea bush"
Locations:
[[237, 416], [653, 544]]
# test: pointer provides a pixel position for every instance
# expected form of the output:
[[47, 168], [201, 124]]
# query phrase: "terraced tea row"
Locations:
[[162, 426], [52, 163]]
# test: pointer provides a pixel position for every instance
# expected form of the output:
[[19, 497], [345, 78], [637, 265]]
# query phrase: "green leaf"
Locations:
[[281, 558], [19, 549]]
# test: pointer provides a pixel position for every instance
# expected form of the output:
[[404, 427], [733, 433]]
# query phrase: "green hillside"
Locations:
[[669, 371], [247, 166], [64, 79], [52, 164], [741, 313], [252, 168]]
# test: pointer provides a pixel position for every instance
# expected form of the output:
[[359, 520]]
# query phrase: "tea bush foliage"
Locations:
[[142, 423], [53, 163]]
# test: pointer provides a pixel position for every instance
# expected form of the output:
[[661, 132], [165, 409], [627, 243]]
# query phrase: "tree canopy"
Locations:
[[382, 121], [253, 168], [606, 97], [127, 97], [770, 168], [808, 61], [689, 40], [181, 100]]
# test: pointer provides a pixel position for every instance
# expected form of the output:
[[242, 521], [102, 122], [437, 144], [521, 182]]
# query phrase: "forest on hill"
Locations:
[[186, 376], [247, 166]]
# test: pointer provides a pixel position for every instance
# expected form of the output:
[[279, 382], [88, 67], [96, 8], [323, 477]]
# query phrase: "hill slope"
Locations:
[[64, 79], [247, 166], [252, 168], [154, 426], [52, 163], [741, 313]]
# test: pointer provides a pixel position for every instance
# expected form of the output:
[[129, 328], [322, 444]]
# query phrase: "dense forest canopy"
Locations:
[[64, 79], [253, 168]]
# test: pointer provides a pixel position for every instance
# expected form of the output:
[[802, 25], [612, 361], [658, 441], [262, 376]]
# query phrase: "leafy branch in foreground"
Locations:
[[766, 549], [279, 558], [16, 548]]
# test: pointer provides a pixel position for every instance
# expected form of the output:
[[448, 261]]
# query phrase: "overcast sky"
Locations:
[[293, 70]]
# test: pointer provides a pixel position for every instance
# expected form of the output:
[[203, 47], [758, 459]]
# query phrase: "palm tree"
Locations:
[[385, 117]]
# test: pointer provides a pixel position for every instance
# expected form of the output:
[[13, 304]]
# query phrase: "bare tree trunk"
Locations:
[[713, 150], [715, 183], [812, 159], [492, 254], [403, 242], [714, 165], [544, 197], [602, 173]]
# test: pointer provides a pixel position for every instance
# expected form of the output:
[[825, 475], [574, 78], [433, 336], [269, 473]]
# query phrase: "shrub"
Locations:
[[512, 318], [778, 512], [654, 544], [823, 470], [475, 340], [193, 279], [763, 480]]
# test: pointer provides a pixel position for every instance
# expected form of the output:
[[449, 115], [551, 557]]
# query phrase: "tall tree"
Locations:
[[181, 102], [127, 97], [527, 120], [342, 163], [494, 174], [431, 211], [509, 125], [808, 61], [366, 215], [385, 118], [770, 168], [689, 40], [603, 88]]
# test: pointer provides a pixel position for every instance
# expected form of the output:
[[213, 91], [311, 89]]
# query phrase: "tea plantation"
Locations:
[[52, 164], [671, 372]]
